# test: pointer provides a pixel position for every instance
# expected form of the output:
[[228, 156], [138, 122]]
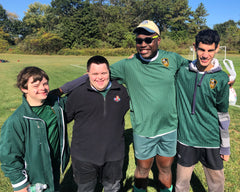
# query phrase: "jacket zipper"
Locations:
[[104, 106], [63, 139], [49, 157]]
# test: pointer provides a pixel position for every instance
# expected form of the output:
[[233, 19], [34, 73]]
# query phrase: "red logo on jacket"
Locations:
[[117, 99]]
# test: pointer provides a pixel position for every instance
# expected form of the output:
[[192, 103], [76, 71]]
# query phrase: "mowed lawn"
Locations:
[[62, 69]]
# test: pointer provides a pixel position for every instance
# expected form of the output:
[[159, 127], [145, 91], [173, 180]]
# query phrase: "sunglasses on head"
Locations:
[[147, 40]]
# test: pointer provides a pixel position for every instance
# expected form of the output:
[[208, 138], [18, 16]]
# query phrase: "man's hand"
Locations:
[[131, 56], [225, 157], [231, 83]]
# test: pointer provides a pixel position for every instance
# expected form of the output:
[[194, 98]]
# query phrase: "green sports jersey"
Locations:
[[200, 98], [47, 113], [151, 87]]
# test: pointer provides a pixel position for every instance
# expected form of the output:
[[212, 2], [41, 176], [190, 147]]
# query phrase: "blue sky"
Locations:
[[219, 10]]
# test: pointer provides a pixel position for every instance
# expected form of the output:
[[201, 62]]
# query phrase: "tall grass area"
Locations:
[[62, 69]]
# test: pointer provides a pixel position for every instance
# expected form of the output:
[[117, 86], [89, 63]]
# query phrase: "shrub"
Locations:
[[98, 51], [129, 40], [168, 45], [46, 43], [3, 45], [91, 43], [233, 52]]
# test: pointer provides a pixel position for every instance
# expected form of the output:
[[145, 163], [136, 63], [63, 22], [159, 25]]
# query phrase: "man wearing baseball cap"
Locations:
[[150, 79], [149, 26]]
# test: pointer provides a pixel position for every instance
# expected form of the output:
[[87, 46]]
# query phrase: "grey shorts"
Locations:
[[148, 147]]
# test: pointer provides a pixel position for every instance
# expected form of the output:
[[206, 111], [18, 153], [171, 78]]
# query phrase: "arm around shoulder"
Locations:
[[119, 68], [69, 86]]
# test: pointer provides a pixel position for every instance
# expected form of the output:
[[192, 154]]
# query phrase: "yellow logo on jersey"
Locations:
[[213, 83], [165, 62]]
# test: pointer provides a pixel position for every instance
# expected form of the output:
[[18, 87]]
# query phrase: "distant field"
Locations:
[[62, 69]]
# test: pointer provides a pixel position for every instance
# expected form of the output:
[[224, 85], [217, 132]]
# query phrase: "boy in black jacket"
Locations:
[[98, 108]]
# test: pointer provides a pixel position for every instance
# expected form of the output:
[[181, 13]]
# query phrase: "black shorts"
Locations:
[[209, 157], [85, 172]]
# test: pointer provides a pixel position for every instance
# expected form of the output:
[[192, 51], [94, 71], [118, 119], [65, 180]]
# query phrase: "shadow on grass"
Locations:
[[68, 184]]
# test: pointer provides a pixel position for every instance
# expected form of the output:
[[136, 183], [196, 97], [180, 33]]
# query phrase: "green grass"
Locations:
[[62, 69]]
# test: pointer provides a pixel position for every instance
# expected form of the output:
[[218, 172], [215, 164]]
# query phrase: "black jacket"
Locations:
[[98, 123]]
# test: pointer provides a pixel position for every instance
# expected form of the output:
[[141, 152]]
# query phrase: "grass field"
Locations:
[[65, 68]]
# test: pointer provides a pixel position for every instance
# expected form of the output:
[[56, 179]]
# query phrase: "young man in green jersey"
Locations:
[[150, 79], [202, 104], [34, 142]]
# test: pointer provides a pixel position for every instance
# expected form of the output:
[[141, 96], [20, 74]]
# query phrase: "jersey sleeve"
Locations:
[[181, 61], [224, 121], [69, 86], [222, 102], [70, 106], [223, 115], [118, 71]]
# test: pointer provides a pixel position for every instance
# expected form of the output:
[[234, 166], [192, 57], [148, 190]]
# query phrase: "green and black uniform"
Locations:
[[203, 107], [151, 87]]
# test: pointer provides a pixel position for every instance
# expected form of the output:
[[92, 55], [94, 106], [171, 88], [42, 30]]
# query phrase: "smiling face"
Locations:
[[99, 76], [205, 54], [147, 51], [36, 92]]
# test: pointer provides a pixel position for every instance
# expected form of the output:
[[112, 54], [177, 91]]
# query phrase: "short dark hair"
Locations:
[[98, 60], [24, 75], [207, 36]]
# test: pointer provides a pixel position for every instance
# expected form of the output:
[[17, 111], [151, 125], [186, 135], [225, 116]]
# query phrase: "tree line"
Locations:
[[78, 24]]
